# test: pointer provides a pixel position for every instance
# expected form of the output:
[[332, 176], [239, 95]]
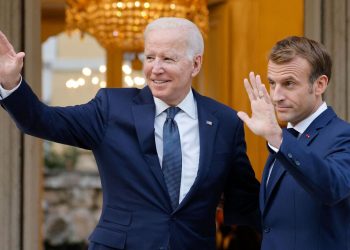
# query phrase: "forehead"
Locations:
[[297, 68], [173, 39]]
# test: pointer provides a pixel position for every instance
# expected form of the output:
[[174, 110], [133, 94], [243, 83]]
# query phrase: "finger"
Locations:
[[259, 85], [249, 90], [267, 97], [5, 46], [253, 83], [19, 58], [252, 79], [243, 116], [20, 55]]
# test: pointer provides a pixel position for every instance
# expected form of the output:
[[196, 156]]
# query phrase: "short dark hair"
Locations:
[[315, 53]]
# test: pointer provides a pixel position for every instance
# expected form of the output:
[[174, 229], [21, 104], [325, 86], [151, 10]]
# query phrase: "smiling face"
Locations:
[[167, 67], [294, 97]]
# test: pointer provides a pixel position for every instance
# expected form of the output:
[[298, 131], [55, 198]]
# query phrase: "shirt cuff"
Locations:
[[5, 93], [272, 148]]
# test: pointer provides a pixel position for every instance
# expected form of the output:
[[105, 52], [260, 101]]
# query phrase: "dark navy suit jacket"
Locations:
[[118, 126], [308, 206]]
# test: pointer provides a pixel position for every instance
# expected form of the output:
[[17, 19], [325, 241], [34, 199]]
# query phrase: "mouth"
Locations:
[[282, 108], [158, 82]]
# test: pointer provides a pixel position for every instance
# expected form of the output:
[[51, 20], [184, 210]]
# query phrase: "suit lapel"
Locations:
[[321, 121], [262, 194], [143, 111], [279, 171], [208, 125]]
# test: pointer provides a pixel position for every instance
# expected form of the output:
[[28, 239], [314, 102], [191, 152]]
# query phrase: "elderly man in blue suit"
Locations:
[[305, 190], [166, 155]]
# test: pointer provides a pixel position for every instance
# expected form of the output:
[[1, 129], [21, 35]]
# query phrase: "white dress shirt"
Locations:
[[187, 122], [304, 124]]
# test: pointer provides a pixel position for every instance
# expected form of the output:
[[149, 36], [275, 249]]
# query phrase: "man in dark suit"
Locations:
[[305, 190], [166, 155]]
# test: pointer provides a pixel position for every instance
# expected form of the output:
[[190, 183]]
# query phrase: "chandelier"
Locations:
[[120, 23]]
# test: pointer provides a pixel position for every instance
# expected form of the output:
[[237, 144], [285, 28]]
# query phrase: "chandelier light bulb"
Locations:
[[103, 84], [139, 81], [86, 71], [81, 81], [70, 83], [120, 23], [95, 80], [126, 69], [102, 69], [129, 82]]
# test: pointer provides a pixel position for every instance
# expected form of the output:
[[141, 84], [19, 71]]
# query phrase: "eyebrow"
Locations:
[[283, 79]]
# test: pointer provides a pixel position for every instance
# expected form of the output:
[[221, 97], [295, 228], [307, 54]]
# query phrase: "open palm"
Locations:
[[11, 63], [263, 121]]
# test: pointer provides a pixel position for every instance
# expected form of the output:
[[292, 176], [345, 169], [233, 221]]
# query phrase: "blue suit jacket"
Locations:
[[118, 126], [308, 206]]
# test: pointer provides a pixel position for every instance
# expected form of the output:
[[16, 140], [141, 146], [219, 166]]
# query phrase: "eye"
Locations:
[[149, 58], [289, 84], [272, 84], [168, 59]]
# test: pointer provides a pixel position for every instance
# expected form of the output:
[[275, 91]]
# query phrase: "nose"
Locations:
[[157, 67], [277, 94]]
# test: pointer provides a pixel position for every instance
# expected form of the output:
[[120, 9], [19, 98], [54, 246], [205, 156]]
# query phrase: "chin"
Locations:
[[160, 95], [283, 118]]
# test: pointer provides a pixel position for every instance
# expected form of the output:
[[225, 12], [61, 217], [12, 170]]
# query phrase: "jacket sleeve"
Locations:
[[241, 197], [324, 175], [81, 125]]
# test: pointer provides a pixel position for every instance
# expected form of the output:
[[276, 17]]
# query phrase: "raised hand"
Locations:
[[263, 121], [11, 64]]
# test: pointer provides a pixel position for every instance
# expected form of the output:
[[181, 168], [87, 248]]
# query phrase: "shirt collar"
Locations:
[[304, 124], [188, 105]]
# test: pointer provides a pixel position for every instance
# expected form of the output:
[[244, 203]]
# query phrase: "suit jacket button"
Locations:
[[297, 163], [267, 230], [290, 155]]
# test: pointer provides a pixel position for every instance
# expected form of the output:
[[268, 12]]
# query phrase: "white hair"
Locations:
[[194, 38]]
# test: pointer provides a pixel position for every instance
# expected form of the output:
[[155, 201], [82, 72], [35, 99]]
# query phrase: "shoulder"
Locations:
[[129, 92], [219, 109], [335, 121], [339, 126], [335, 130], [117, 95]]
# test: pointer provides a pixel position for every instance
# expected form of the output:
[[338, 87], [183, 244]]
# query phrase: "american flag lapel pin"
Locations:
[[307, 136], [210, 123]]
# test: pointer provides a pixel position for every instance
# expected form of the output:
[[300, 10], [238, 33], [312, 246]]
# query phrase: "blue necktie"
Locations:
[[172, 159]]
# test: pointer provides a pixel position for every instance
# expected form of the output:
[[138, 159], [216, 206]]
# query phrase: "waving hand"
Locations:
[[263, 120], [11, 64]]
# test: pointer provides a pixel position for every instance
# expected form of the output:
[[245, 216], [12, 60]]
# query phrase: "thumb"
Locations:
[[19, 59], [20, 56], [243, 116]]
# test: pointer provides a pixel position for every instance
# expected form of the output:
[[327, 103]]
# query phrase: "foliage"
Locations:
[[65, 160]]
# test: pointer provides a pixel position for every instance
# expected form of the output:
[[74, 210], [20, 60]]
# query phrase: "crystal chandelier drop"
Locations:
[[120, 23]]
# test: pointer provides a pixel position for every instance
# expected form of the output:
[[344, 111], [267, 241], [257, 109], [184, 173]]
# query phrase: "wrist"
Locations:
[[275, 139], [11, 84]]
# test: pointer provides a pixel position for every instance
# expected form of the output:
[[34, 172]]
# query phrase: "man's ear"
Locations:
[[321, 84], [197, 64]]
